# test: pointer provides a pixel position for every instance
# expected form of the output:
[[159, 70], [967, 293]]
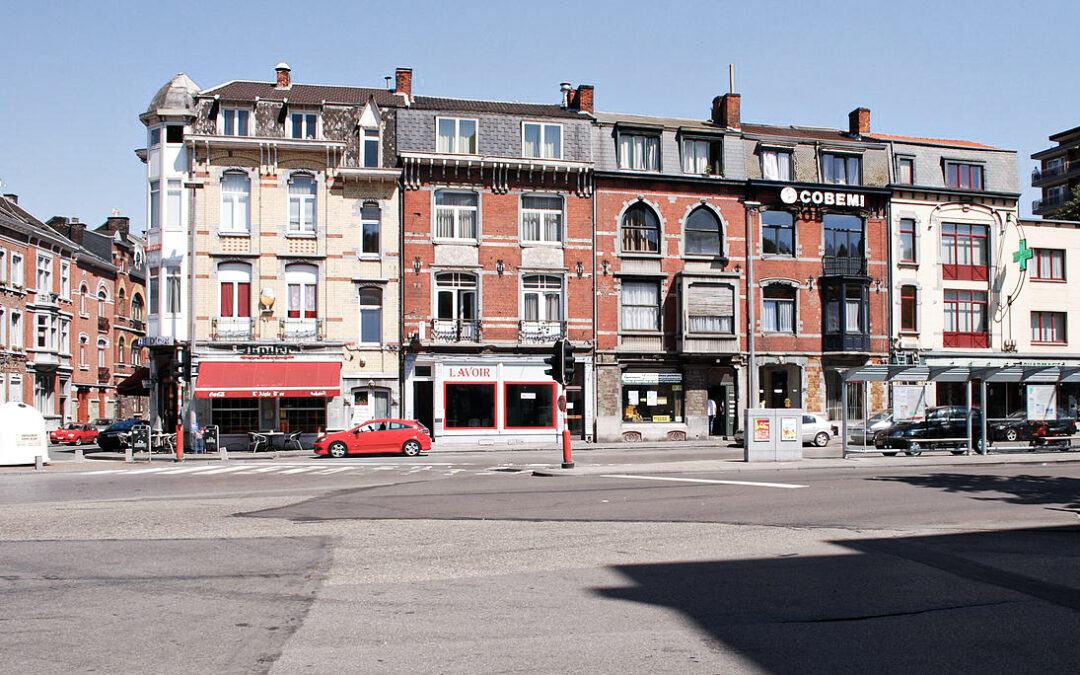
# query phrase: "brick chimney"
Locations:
[[859, 121], [68, 227], [121, 224], [403, 82], [582, 98], [284, 79], [726, 111]]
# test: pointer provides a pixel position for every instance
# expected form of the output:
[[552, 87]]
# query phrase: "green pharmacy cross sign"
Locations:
[[1023, 255]]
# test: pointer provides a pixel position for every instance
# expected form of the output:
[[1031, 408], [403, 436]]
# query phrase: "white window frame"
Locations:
[[65, 336], [543, 287], [702, 164], [102, 300], [775, 153], [828, 159], [233, 201], [300, 225], [103, 350], [457, 144], [232, 114], [455, 210], [793, 300], [174, 204], [174, 291], [370, 136], [310, 122], [84, 342], [367, 209], [543, 220], [18, 273], [44, 273], [154, 205], [65, 279], [303, 276], [544, 128], [3, 265], [369, 313], [626, 309], [153, 137], [17, 337]]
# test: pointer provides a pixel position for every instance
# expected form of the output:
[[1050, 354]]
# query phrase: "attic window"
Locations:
[[174, 133]]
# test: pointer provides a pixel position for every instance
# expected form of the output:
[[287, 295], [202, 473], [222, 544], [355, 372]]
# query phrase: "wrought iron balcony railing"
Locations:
[[843, 266], [455, 330], [540, 331]]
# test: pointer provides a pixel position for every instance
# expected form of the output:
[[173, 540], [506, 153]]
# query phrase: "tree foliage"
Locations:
[[1071, 210]]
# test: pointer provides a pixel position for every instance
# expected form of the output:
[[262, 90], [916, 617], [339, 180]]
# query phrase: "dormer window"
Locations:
[[701, 156], [456, 136], [542, 141], [303, 124], [776, 163], [639, 151], [841, 169], [370, 138], [234, 122], [964, 176]]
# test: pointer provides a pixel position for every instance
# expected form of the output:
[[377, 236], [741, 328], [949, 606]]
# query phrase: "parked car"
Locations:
[[1017, 427], [816, 430], [75, 433], [942, 427], [115, 435], [405, 436], [857, 434], [103, 423]]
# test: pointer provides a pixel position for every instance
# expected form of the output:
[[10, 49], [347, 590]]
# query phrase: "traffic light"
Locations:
[[555, 361], [567, 362], [181, 365]]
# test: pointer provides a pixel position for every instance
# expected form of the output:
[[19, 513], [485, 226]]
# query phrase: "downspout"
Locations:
[[595, 324], [401, 295], [751, 377]]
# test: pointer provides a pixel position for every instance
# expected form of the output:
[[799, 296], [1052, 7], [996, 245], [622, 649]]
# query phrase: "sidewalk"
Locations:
[[604, 458]]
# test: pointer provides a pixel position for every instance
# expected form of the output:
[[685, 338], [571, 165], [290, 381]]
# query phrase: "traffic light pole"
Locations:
[[567, 449]]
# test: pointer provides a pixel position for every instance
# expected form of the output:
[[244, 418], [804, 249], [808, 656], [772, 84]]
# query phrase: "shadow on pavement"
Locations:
[[1026, 489], [998, 602]]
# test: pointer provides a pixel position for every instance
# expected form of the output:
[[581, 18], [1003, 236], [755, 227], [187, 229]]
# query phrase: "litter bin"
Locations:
[[140, 438]]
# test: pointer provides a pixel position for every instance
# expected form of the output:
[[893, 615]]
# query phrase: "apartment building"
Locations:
[[272, 253], [1058, 173], [497, 263]]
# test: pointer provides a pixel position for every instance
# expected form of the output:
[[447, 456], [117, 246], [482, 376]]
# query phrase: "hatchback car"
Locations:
[[115, 437], [816, 430], [75, 433], [408, 437], [857, 434]]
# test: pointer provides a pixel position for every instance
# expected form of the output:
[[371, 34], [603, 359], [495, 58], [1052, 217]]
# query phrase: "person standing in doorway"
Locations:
[[710, 410]]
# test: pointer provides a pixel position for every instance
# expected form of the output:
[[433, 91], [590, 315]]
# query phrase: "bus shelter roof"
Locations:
[[1034, 374]]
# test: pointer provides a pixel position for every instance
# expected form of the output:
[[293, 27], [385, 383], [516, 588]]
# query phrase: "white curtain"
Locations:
[[641, 306], [552, 141], [234, 202], [852, 316], [532, 140]]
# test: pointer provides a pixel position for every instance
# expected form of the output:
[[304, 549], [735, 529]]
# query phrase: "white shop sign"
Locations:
[[790, 195]]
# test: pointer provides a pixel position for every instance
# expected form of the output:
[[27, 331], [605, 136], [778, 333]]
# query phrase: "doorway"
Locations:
[[423, 404]]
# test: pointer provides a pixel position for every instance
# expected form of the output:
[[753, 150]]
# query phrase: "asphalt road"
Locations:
[[471, 563]]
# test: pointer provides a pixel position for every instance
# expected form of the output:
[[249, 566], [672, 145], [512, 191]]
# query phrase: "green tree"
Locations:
[[1071, 210]]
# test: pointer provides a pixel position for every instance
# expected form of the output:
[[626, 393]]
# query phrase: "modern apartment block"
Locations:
[[273, 256], [1059, 172]]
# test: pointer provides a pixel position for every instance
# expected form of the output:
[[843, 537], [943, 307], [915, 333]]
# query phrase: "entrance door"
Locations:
[[778, 389], [423, 404], [724, 395]]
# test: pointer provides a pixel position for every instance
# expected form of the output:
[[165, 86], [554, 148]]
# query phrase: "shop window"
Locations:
[[660, 403], [307, 414], [530, 406], [235, 415], [777, 233], [469, 406]]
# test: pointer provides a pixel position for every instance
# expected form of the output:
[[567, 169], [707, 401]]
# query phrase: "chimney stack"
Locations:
[[403, 79], [582, 98], [284, 80], [14, 199], [68, 227], [726, 111], [119, 224], [567, 91], [859, 121]]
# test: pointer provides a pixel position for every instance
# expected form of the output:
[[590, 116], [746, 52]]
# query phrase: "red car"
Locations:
[[75, 433], [404, 436]]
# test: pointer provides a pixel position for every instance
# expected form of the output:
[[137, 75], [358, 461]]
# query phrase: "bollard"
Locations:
[[127, 455], [39, 463], [79, 453], [223, 454]]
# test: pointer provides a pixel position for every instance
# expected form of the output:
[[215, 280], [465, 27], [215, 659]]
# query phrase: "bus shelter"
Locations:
[[911, 374]]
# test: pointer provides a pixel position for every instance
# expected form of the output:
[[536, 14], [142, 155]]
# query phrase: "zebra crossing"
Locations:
[[290, 469]]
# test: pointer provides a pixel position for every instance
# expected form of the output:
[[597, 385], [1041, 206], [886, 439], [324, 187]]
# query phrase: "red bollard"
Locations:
[[567, 449]]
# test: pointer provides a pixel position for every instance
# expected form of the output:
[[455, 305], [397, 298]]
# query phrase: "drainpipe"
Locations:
[[595, 325], [752, 374]]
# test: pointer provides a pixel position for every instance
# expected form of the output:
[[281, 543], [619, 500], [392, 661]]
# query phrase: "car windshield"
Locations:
[[73, 426]]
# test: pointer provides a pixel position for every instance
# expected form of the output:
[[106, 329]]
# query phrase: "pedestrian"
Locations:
[[710, 410]]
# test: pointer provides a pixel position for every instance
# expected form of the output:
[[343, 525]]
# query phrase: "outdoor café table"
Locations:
[[275, 440]]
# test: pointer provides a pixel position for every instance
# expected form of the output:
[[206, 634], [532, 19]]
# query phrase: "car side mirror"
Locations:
[[356, 432]]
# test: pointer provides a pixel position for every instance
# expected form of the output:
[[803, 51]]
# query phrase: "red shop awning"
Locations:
[[267, 379]]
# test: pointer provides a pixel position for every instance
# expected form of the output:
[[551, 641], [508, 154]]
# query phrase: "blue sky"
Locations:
[[77, 75]]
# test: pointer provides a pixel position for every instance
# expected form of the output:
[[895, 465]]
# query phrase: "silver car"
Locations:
[[857, 432]]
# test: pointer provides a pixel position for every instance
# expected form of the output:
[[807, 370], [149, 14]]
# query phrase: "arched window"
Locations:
[[703, 233], [121, 303], [84, 291], [121, 350], [640, 230], [235, 198], [102, 300], [778, 309], [136, 355], [542, 298], [102, 347], [137, 307], [302, 281], [235, 290], [302, 190], [84, 340]]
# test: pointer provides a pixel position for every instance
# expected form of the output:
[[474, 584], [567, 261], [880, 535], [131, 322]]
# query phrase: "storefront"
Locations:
[[489, 399], [265, 394]]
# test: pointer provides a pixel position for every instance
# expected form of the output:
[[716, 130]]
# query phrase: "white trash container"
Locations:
[[22, 435]]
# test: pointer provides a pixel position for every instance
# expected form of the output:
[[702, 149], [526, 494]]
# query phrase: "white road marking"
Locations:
[[788, 486], [228, 469], [153, 470], [300, 469]]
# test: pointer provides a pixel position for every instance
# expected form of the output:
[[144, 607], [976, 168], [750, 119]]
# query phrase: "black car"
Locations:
[[1017, 427], [941, 427], [115, 436]]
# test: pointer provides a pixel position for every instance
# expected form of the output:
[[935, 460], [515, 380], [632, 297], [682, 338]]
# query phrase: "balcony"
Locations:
[[103, 324], [1055, 174], [845, 342], [449, 331], [102, 374], [843, 266], [532, 332], [301, 330], [1042, 207], [232, 328], [965, 339]]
